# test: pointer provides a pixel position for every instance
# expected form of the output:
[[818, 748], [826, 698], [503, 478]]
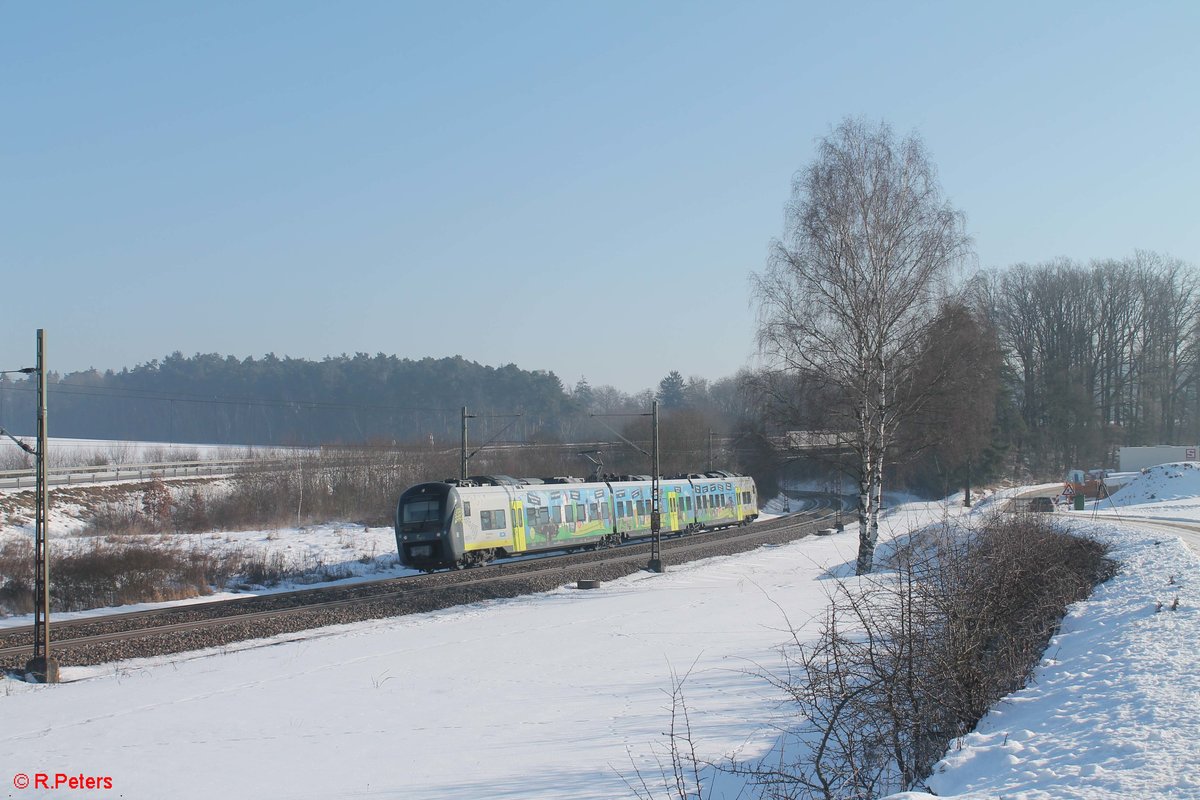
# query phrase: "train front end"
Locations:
[[429, 527]]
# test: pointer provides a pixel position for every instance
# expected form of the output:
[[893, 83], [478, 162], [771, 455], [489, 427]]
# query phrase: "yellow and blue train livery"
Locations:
[[454, 524]]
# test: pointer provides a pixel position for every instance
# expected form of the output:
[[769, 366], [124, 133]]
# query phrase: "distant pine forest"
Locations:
[[287, 401]]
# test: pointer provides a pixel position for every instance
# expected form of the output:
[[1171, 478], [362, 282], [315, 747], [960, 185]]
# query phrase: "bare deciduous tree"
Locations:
[[848, 293], [1101, 354]]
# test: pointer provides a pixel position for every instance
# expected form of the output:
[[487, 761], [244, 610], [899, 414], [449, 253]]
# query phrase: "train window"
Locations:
[[556, 514], [606, 511], [466, 508], [491, 520], [570, 513], [641, 508], [422, 510], [594, 511], [687, 504], [543, 515], [581, 513]]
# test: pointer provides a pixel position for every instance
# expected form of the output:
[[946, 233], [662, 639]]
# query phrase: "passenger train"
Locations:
[[454, 524]]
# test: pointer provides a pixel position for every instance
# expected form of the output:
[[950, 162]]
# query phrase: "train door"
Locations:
[[518, 526], [672, 510], [737, 501]]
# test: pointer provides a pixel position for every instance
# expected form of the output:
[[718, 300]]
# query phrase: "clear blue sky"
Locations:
[[578, 187]]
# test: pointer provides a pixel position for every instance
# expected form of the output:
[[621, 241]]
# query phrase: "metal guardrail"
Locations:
[[103, 473], [109, 473]]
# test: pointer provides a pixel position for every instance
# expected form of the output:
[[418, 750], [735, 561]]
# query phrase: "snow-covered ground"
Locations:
[[316, 555], [567, 694], [306, 556], [1112, 709]]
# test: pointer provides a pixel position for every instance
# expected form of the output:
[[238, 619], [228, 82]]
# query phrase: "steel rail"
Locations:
[[504, 571]]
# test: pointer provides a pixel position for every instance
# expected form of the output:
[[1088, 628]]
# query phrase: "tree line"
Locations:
[[217, 399], [869, 339], [1097, 355], [377, 400]]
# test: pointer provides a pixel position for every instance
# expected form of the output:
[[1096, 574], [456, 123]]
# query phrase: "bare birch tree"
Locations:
[[849, 291]]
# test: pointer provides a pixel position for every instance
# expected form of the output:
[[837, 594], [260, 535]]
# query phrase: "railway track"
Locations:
[[153, 633]]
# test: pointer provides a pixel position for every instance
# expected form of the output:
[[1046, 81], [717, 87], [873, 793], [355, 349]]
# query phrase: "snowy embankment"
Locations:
[[1168, 491], [1111, 711], [308, 557], [567, 694]]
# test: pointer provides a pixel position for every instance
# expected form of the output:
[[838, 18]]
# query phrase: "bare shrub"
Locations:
[[332, 484], [16, 577], [191, 513], [14, 459], [110, 574], [263, 570], [118, 518], [95, 459], [684, 778], [909, 659], [113, 575], [161, 454], [156, 501]]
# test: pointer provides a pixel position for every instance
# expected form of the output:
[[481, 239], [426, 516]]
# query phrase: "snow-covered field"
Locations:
[[317, 555], [567, 694]]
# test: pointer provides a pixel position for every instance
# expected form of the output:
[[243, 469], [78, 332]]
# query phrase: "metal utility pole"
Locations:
[[655, 564], [967, 495], [462, 463], [42, 665], [837, 515], [464, 456]]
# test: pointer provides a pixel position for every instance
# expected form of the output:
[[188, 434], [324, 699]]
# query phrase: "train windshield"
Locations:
[[421, 514]]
